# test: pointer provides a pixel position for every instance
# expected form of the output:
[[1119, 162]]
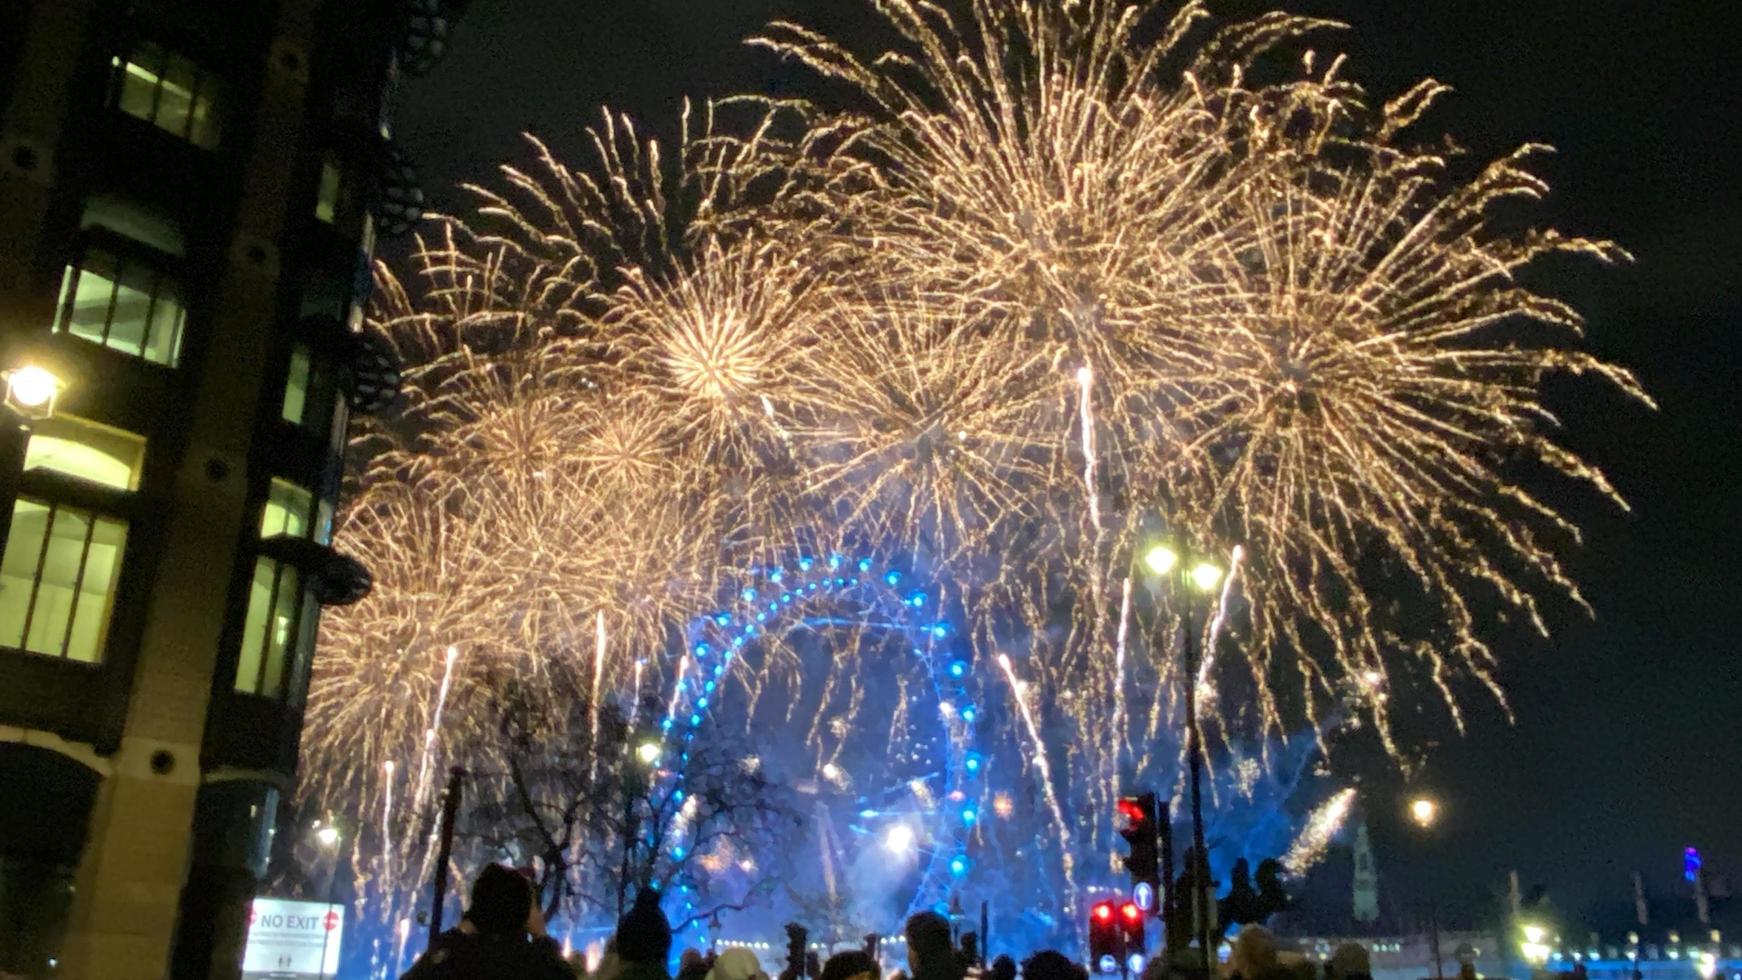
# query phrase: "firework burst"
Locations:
[[1075, 276]]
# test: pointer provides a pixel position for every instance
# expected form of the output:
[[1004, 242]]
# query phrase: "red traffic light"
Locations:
[[1131, 912], [1103, 912], [1132, 815]]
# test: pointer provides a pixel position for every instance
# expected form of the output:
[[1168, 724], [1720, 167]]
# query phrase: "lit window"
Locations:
[[296, 385], [86, 450], [270, 628], [122, 304], [168, 91], [57, 580], [327, 195], [288, 511]]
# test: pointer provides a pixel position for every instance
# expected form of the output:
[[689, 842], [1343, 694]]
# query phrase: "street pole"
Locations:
[[450, 807], [1195, 759], [1434, 929]]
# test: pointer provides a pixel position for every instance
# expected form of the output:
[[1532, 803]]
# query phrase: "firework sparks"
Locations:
[[1278, 329], [1322, 827]]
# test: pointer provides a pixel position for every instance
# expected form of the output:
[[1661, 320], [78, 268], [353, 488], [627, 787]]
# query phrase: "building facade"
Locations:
[[190, 195]]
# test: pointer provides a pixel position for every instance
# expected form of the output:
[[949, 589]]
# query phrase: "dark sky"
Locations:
[[1628, 740]]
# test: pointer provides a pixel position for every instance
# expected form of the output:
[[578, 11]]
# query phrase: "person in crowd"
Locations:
[[1003, 968], [736, 964], [1350, 962], [1050, 964], [931, 951], [692, 965], [1254, 956], [643, 940], [501, 937], [851, 964]]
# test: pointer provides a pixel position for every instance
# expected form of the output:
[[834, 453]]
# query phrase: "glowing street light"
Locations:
[[648, 753], [1424, 812], [1161, 559], [1164, 559], [1206, 576], [899, 839], [31, 391]]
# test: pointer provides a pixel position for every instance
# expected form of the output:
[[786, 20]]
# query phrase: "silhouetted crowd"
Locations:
[[502, 937]]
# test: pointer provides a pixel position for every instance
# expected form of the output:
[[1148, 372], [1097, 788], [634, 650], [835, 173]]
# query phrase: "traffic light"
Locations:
[[1106, 938], [1138, 826], [1131, 927], [796, 940]]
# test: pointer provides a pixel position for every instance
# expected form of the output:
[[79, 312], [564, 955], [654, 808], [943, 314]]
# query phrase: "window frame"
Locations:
[[204, 132], [124, 252], [94, 517], [289, 652]]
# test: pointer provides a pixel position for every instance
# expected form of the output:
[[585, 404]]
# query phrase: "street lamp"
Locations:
[[328, 836], [31, 391], [1164, 560], [1424, 812]]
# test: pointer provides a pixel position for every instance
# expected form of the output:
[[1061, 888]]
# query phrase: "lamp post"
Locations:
[[328, 836], [1166, 560], [636, 777], [1424, 812]]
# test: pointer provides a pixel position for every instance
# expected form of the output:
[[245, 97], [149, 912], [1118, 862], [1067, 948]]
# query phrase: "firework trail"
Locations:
[[1019, 694], [1322, 826]]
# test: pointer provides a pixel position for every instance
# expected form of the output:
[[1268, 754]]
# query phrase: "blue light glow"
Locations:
[[774, 576], [834, 561], [969, 714], [701, 649], [917, 600], [702, 703], [892, 577], [959, 865], [958, 668], [722, 620], [940, 631], [749, 595], [665, 725], [969, 815], [709, 686], [864, 564], [695, 720], [804, 564], [786, 597]]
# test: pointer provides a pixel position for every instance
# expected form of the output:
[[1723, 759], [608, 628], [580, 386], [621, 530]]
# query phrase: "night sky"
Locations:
[[1628, 740]]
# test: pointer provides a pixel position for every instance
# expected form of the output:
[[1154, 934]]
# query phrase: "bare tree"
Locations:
[[598, 809]]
